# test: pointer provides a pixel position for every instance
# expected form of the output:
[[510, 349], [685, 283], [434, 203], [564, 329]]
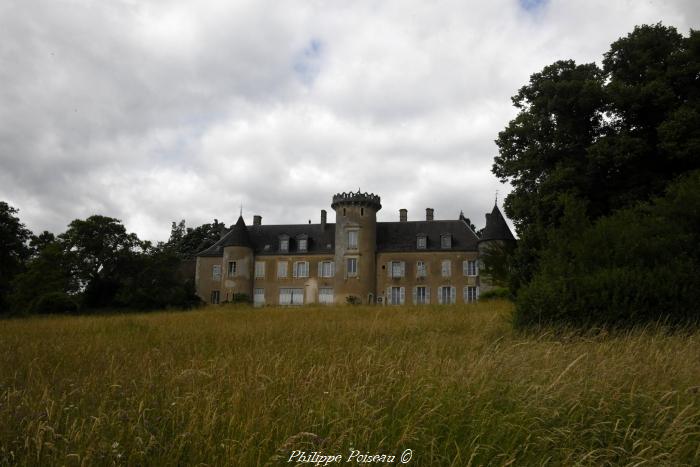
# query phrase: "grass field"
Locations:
[[238, 386]]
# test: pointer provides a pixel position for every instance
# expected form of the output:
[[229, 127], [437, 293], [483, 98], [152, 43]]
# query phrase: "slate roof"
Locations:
[[265, 239], [402, 236], [237, 236], [496, 227]]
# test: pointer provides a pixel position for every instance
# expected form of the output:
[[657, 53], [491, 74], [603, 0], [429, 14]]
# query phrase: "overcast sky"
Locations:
[[155, 111]]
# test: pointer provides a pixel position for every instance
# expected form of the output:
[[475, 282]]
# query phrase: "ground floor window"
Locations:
[[291, 296], [447, 295], [396, 295], [421, 295], [259, 297], [325, 295], [215, 297], [471, 294]]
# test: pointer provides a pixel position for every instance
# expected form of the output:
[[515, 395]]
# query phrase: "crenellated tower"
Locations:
[[355, 245]]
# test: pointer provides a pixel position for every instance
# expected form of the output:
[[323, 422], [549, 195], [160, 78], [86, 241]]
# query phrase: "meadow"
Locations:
[[240, 386]]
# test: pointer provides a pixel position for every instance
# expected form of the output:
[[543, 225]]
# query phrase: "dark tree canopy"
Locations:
[[14, 249], [600, 139]]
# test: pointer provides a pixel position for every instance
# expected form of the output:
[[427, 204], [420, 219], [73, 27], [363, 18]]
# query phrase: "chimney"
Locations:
[[323, 219], [257, 220], [429, 214], [403, 215]]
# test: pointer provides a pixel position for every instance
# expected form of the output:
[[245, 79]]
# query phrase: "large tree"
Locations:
[[14, 249], [607, 138]]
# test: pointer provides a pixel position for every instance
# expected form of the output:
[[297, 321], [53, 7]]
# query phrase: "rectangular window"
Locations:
[[396, 295], [446, 268], [397, 268], [303, 243], [446, 241], [282, 269], [232, 266], [216, 272], [325, 295], [471, 294], [420, 269], [259, 297], [301, 269], [284, 244], [291, 297], [470, 268], [420, 295], [325, 269], [352, 239], [421, 243], [215, 297], [260, 269], [351, 267]]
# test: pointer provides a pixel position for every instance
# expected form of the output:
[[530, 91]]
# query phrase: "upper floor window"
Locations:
[[421, 242], [301, 269], [470, 268], [232, 267], [351, 266], [325, 269], [216, 272], [352, 239], [445, 241], [302, 243], [259, 269], [397, 269], [284, 244], [282, 269], [446, 268], [420, 269]]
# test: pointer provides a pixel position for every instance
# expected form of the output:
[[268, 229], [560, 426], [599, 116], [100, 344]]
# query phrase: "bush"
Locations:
[[240, 298], [353, 300], [497, 293], [54, 302], [637, 265]]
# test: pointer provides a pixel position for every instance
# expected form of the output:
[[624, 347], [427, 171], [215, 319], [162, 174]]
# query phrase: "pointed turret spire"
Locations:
[[238, 235], [496, 227]]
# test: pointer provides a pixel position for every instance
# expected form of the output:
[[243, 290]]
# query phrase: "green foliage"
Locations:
[[14, 250], [46, 274], [497, 293], [637, 265], [54, 302], [497, 262], [610, 137], [186, 242], [353, 300], [240, 298]]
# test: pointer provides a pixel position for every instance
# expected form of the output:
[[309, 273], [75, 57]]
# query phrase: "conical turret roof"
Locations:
[[238, 235], [496, 227]]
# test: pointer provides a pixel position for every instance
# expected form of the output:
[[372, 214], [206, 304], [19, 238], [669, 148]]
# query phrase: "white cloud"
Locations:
[[156, 111]]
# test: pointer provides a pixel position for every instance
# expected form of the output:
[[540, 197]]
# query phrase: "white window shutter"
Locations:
[[320, 269], [388, 296], [427, 295], [403, 268], [440, 295], [294, 269], [453, 295], [465, 268], [402, 298], [332, 268], [476, 269], [388, 269], [415, 295]]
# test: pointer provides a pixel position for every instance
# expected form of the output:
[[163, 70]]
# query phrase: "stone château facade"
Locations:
[[357, 259]]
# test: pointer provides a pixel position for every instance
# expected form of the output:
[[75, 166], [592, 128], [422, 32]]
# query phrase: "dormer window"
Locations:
[[284, 243], [446, 241], [302, 243], [421, 242]]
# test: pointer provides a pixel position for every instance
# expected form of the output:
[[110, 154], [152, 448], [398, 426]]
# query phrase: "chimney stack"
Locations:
[[403, 215], [257, 220], [323, 219], [429, 214]]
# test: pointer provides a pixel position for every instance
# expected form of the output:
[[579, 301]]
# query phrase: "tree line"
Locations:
[[604, 164], [95, 265]]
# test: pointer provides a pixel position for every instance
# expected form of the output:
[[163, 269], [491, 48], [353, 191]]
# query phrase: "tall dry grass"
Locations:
[[237, 386]]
